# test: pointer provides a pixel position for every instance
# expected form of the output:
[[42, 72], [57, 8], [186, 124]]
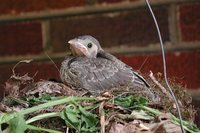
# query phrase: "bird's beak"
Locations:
[[77, 47]]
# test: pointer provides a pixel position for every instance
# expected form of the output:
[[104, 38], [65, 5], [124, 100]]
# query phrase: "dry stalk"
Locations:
[[160, 86], [102, 117]]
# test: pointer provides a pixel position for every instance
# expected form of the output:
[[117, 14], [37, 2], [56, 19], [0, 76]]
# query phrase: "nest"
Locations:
[[49, 106]]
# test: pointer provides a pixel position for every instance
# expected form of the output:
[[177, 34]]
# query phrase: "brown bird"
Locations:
[[97, 71]]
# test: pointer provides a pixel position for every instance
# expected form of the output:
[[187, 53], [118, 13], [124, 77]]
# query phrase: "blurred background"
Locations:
[[31, 28]]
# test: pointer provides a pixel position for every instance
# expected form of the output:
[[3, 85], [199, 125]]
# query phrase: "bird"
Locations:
[[97, 71]]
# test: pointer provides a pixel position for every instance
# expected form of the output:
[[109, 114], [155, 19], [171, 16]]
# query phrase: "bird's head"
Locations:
[[85, 45]]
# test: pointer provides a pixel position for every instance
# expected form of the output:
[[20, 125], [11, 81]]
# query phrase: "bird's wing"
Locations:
[[99, 74], [138, 79]]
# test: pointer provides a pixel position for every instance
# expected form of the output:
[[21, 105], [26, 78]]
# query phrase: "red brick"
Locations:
[[184, 66], [110, 1], [20, 39], [190, 22], [45, 70], [20, 6], [134, 0], [129, 27]]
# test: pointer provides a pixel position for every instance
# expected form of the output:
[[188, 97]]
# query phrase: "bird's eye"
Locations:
[[89, 45]]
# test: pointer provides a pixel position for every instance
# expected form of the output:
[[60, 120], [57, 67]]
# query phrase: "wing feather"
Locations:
[[100, 74]]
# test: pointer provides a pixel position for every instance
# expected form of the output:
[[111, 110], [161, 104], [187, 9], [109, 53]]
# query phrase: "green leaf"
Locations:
[[35, 101], [5, 117], [56, 101], [89, 130], [40, 129], [71, 115], [17, 124], [89, 120], [80, 119], [130, 101]]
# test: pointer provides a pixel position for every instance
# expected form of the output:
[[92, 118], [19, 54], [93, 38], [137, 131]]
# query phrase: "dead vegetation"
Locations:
[[48, 106]]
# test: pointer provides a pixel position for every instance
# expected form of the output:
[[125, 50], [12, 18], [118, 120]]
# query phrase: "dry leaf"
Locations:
[[48, 88]]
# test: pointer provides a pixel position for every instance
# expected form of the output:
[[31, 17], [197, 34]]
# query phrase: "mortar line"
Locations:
[[85, 10], [46, 36], [114, 50], [173, 29]]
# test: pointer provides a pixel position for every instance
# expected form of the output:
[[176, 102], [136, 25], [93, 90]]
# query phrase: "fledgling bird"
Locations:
[[97, 71]]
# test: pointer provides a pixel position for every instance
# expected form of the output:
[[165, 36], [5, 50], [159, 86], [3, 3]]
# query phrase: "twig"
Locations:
[[160, 86], [67, 130], [22, 61], [25, 76], [102, 117], [144, 62], [52, 62]]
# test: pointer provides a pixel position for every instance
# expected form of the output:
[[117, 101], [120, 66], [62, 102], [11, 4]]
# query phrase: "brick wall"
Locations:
[[123, 27]]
